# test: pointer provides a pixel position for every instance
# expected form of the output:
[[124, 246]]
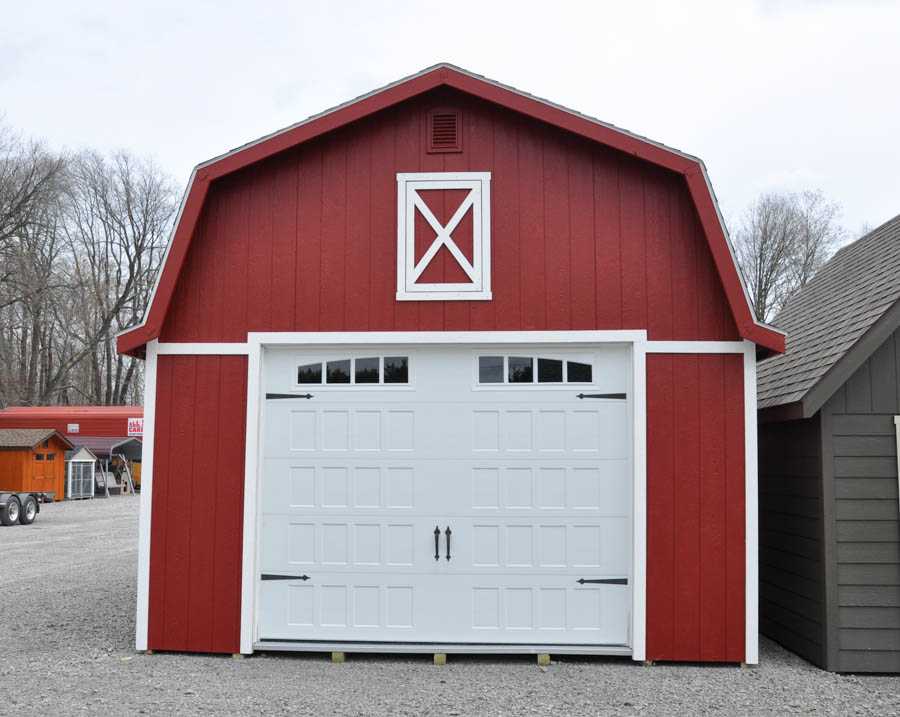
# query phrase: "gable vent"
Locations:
[[444, 131]]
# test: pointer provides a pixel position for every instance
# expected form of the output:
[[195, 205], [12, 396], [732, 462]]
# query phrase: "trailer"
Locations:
[[21, 508]]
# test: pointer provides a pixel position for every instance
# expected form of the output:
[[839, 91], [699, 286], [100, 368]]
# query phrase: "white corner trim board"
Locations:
[[751, 509], [143, 568]]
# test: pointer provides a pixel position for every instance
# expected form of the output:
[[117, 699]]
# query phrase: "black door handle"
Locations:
[[437, 541], [448, 533]]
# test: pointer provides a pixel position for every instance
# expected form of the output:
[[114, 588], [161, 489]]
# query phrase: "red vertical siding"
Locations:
[[582, 236], [198, 478], [695, 508]]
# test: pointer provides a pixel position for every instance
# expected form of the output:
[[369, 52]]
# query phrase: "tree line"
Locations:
[[82, 236]]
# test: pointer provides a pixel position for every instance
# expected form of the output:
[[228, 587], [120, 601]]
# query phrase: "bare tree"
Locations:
[[781, 242], [81, 240], [118, 216]]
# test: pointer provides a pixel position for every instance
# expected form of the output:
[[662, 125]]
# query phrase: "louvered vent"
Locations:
[[444, 131]]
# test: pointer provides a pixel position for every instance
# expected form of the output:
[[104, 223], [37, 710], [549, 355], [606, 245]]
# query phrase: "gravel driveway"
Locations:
[[67, 611]]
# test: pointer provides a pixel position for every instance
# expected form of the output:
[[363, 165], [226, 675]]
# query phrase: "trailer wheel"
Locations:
[[29, 511], [9, 511]]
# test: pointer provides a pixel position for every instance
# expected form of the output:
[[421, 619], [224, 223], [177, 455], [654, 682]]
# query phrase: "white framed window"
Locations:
[[523, 369], [411, 266], [344, 371]]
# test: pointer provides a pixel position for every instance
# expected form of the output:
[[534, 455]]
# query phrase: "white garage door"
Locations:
[[446, 495]]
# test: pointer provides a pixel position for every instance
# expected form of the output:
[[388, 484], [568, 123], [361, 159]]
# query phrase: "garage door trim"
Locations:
[[256, 344]]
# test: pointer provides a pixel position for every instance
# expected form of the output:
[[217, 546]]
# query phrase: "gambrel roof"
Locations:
[[132, 341], [835, 322]]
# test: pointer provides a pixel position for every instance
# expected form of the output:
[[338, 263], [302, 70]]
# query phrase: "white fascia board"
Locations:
[[203, 349], [696, 347], [443, 337]]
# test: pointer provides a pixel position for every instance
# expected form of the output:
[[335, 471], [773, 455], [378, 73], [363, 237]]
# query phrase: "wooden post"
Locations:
[[440, 658], [338, 658], [543, 659]]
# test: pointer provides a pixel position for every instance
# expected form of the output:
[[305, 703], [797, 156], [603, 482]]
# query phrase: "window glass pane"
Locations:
[[51, 456], [367, 370], [38, 456], [521, 369], [490, 369], [396, 369], [550, 370], [579, 372], [338, 371], [309, 373]]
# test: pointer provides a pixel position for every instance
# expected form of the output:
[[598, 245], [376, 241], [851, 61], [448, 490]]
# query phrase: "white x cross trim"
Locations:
[[444, 237]]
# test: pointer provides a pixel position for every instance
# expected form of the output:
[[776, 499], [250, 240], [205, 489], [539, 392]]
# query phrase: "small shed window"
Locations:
[[38, 456], [51, 456]]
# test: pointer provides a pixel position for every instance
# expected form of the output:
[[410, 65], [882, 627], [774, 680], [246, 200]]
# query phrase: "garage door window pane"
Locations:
[[550, 370], [338, 371], [490, 369], [367, 370], [579, 372], [521, 369], [309, 373], [396, 369]]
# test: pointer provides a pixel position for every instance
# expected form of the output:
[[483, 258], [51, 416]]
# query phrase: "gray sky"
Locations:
[[772, 95]]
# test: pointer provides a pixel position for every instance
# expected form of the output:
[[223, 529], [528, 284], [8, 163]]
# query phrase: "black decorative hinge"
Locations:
[[270, 576], [288, 395], [603, 581], [618, 396]]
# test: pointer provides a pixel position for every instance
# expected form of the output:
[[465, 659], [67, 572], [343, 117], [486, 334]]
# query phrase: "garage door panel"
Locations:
[[344, 607], [565, 544], [298, 485], [524, 610], [533, 483]]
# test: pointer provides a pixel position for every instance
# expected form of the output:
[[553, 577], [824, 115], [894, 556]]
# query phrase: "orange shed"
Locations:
[[33, 460]]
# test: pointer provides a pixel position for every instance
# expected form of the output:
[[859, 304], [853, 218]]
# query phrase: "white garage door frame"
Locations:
[[257, 342], [640, 347]]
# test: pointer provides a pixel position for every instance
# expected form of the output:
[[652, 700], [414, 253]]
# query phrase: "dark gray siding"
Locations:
[[864, 519], [791, 573]]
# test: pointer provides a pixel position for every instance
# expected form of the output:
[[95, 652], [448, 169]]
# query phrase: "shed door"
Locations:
[[532, 482]]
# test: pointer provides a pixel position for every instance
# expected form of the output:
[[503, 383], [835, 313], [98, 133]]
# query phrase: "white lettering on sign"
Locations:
[[73, 428], [135, 426]]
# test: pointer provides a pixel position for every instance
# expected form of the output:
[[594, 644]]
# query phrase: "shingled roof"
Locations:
[[27, 437], [832, 314]]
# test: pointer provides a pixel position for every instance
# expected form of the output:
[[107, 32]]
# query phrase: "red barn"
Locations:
[[450, 368]]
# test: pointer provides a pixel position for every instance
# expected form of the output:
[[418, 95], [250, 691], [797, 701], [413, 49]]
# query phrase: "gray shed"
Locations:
[[828, 444]]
